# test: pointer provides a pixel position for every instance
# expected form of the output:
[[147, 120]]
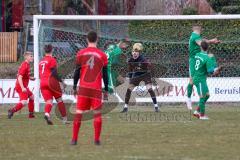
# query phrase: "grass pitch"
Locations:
[[140, 135]]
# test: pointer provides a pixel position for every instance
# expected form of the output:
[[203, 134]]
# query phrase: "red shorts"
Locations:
[[89, 98], [49, 93], [24, 95], [87, 103]]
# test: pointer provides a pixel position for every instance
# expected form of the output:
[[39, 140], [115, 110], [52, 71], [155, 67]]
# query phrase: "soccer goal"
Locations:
[[165, 42]]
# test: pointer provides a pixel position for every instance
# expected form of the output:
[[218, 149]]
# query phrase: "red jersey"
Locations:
[[45, 68], [24, 71], [91, 60]]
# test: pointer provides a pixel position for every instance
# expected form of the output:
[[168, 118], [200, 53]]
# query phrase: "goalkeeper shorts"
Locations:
[[146, 78]]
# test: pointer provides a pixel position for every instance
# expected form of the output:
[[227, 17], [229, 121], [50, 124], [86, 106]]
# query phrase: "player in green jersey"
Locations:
[[113, 52], [194, 48], [204, 64]]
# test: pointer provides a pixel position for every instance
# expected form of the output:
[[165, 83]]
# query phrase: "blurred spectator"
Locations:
[[16, 27]]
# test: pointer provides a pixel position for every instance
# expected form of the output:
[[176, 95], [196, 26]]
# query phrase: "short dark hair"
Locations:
[[204, 45], [48, 48], [92, 36]]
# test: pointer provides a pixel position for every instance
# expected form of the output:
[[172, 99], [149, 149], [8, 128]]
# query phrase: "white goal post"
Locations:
[[37, 22]]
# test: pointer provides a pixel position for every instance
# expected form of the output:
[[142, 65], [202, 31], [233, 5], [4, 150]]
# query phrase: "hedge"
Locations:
[[231, 10]]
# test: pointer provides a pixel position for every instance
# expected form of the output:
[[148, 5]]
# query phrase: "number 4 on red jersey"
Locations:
[[91, 60]]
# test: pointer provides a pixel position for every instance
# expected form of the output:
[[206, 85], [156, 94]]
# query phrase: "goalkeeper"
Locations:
[[204, 63], [139, 70], [113, 53]]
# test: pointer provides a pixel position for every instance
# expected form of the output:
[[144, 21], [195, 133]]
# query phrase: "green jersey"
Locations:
[[113, 52], [194, 48], [204, 64]]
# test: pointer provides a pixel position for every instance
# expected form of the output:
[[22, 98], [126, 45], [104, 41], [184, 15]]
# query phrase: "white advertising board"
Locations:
[[221, 90]]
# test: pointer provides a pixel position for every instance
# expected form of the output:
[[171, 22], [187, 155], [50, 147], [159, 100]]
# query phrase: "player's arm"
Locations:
[[215, 71], [105, 78], [150, 68], [76, 76], [20, 81], [54, 72], [211, 41], [105, 81], [198, 39], [22, 71], [198, 42], [130, 69], [56, 75], [212, 68]]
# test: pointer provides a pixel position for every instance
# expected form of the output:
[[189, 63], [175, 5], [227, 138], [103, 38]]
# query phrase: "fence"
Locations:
[[8, 46]]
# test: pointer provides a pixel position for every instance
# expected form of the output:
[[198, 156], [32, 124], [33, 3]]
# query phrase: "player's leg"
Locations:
[[190, 84], [131, 86], [110, 80], [203, 93], [16, 108], [23, 101], [202, 105], [56, 92], [47, 111], [97, 124], [148, 82], [48, 98], [189, 93], [76, 126], [83, 104], [117, 79], [205, 97], [190, 88], [196, 113], [30, 104], [153, 96], [120, 80], [97, 119], [62, 109]]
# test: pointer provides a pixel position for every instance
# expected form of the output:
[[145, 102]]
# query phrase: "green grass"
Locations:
[[186, 139]]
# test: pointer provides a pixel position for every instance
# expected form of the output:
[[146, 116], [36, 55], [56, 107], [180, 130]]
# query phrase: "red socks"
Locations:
[[48, 108], [17, 107], [62, 108], [31, 106], [76, 126], [97, 123]]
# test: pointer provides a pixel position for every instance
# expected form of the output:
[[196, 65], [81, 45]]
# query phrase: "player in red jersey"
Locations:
[[22, 89], [91, 68], [50, 85]]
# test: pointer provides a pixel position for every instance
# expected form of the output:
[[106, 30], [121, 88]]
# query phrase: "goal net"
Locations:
[[165, 41]]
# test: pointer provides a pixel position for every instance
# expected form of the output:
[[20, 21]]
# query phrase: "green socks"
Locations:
[[189, 90], [202, 103]]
